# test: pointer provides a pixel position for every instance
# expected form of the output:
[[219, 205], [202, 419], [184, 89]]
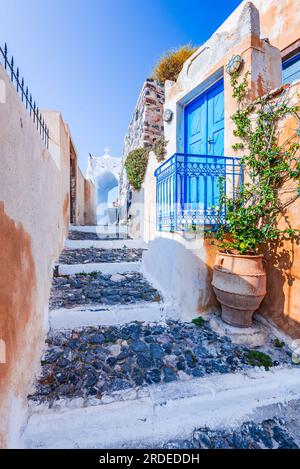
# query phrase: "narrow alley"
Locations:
[[116, 358]]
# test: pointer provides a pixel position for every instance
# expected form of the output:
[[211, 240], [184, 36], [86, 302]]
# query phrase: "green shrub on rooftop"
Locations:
[[170, 64]]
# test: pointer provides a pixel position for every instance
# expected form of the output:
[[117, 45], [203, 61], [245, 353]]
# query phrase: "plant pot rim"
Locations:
[[243, 256]]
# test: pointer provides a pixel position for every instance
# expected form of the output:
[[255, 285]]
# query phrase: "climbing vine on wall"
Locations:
[[136, 165], [272, 172], [159, 147]]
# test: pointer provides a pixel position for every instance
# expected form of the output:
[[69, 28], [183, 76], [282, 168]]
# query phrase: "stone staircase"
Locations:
[[121, 369]]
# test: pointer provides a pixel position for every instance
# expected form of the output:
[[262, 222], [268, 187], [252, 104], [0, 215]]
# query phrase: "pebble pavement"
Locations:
[[96, 288], [97, 360], [83, 235], [95, 255], [94, 362], [269, 434]]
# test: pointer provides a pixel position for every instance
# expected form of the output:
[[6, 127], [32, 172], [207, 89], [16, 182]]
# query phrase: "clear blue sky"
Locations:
[[89, 58]]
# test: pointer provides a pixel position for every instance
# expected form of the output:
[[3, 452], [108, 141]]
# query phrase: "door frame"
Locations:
[[287, 62], [192, 103]]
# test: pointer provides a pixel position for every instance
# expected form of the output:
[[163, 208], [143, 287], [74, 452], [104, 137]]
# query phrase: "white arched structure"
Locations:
[[104, 171]]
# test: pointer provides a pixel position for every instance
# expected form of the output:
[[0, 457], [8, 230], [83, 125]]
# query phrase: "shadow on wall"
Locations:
[[182, 269], [136, 214], [281, 303]]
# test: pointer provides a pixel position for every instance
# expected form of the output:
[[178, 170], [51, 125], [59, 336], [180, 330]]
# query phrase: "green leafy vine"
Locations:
[[159, 147], [271, 170]]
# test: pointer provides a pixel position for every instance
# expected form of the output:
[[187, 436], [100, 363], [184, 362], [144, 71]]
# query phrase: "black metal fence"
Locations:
[[26, 97]]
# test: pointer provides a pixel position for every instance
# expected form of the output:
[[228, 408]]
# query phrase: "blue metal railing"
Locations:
[[188, 189]]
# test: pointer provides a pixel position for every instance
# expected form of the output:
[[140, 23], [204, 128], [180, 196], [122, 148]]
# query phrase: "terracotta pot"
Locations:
[[239, 282]]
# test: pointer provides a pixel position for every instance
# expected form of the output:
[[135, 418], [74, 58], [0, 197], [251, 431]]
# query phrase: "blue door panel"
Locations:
[[291, 69], [204, 123], [204, 135], [195, 124], [217, 148], [215, 121]]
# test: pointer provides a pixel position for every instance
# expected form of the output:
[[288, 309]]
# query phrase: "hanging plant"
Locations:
[[159, 147], [272, 173], [136, 165]]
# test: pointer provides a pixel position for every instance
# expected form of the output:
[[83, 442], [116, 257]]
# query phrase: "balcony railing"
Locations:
[[188, 189]]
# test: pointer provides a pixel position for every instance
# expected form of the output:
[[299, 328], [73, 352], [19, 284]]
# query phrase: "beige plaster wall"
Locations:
[[61, 145], [34, 206], [90, 203], [80, 199], [279, 20], [59, 148], [86, 205], [281, 303]]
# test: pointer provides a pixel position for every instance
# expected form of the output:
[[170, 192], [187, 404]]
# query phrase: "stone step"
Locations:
[[94, 255], [106, 244], [106, 268], [98, 288], [78, 317], [272, 427], [82, 235], [87, 362], [161, 413], [101, 229]]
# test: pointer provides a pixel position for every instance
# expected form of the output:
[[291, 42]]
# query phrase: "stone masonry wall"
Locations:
[[145, 127], [147, 120]]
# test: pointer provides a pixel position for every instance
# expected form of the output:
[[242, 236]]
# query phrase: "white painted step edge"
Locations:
[[100, 229], [107, 268], [166, 412], [106, 244], [104, 315]]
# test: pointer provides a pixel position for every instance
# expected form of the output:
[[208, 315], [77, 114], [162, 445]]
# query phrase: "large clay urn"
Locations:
[[239, 282]]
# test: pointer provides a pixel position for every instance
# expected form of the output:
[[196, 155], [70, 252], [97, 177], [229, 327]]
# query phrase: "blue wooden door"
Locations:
[[204, 123], [196, 126], [204, 135], [215, 121]]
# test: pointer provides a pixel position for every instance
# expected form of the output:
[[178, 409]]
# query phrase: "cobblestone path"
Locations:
[[269, 434], [95, 363], [86, 236], [94, 255], [95, 288]]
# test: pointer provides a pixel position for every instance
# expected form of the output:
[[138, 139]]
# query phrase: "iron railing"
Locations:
[[23, 92], [188, 189]]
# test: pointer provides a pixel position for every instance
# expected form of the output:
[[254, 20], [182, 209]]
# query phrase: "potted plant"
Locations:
[[254, 216]]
